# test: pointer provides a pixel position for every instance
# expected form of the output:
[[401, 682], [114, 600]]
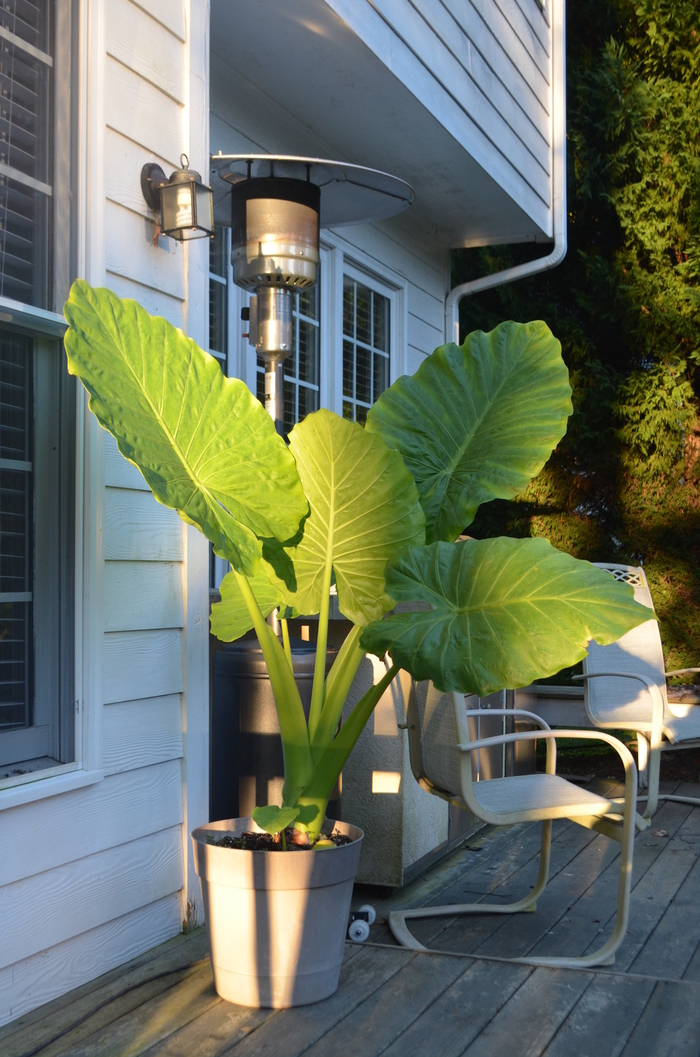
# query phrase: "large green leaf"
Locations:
[[364, 510], [477, 422], [230, 618], [506, 612], [202, 441]]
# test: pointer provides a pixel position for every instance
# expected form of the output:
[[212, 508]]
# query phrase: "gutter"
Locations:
[[542, 264]]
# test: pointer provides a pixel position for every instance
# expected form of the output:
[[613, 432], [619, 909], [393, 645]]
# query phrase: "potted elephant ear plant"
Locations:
[[377, 512]]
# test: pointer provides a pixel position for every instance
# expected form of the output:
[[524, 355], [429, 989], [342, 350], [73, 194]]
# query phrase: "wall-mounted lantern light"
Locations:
[[184, 203], [276, 208]]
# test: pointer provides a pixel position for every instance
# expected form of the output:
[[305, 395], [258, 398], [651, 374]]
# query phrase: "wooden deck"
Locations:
[[459, 1002]]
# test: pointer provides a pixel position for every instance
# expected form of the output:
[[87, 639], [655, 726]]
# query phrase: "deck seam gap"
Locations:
[[535, 965]]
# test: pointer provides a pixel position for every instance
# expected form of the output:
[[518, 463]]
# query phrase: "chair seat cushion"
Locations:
[[683, 728], [528, 797]]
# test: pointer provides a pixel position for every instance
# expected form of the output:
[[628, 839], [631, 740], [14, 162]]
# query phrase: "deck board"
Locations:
[[460, 1000], [670, 1024], [603, 1019]]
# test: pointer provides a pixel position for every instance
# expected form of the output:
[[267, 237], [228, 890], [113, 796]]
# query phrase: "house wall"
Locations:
[[94, 876], [483, 67]]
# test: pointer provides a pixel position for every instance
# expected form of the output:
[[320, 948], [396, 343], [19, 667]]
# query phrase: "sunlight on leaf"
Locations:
[[476, 422], [503, 613], [364, 510], [272, 819], [202, 441]]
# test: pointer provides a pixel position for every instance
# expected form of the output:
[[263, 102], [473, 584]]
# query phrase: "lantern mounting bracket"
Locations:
[[152, 179]]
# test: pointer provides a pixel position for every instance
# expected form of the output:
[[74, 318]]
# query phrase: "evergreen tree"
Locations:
[[625, 483]]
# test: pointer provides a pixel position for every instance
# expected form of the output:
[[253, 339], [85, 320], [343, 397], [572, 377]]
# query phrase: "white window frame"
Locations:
[[227, 282], [345, 259], [86, 213]]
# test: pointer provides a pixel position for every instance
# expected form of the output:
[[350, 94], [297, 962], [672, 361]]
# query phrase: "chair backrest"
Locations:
[[639, 652], [437, 723], [433, 739]]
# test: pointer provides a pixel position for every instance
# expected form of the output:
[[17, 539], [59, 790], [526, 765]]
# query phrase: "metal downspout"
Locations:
[[521, 271]]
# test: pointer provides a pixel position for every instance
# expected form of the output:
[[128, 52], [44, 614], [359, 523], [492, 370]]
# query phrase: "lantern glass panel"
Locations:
[[184, 211], [176, 207], [205, 208]]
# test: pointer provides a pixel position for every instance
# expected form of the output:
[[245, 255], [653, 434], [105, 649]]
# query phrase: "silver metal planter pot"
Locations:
[[276, 921]]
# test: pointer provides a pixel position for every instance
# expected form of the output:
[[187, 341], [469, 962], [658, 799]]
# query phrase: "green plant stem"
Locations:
[[287, 643], [338, 686], [298, 763], [326, 772], [317, 694], [284, 840]]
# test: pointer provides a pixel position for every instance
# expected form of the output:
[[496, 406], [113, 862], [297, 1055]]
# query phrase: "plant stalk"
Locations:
[[333, 760], [298, 763], [317, 694], [338, 686], [287, 643]]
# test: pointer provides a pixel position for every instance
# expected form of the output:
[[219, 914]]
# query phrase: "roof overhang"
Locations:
[[295, 78]]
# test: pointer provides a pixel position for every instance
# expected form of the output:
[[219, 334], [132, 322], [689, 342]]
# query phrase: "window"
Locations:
[[25, 149], [218, 294], [37, 403], [37, 396], [302, 367], [366, 345]]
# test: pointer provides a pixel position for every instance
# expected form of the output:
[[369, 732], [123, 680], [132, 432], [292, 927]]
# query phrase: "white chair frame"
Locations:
[[620, 825], [651, 739]]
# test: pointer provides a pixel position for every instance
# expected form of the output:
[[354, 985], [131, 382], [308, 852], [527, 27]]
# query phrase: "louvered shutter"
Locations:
[[25, 149]]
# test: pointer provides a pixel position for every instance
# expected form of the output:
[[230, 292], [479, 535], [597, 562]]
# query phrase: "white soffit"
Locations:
[[301, 58]]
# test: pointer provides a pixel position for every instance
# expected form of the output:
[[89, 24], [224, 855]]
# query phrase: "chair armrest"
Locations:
[[508, 712], [596, 735], [657, 716], [551, 764], [681, 671], [535, 735], [617, 675], [657, 702]]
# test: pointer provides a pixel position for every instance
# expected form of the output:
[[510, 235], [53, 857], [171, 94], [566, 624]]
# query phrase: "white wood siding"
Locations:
[[43, 977], [146, 93], [96, 875], [483, 67]]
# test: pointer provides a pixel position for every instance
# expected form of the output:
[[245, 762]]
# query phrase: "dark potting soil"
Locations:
[[266, 842]]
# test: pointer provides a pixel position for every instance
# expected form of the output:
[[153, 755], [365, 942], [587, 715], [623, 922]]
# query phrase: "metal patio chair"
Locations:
[[441, 751], [625, 689]]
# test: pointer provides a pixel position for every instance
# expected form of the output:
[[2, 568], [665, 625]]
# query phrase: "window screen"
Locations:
[[25, 154], [16, 535], [366, 322], [302, 367]]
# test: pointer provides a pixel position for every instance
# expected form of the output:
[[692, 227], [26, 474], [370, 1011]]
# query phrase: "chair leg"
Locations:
[[605, 955], [643, 760], [397, 918]]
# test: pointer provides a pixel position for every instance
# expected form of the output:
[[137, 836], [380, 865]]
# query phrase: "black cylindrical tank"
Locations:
[[245, 752]]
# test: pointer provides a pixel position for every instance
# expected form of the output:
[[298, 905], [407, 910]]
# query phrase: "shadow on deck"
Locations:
[[398, 1003]]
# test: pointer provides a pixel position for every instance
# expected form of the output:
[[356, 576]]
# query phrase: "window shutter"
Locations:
[[25, 119]]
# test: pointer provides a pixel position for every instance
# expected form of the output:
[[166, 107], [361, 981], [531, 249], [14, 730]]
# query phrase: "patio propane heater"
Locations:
[[278, 205]]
